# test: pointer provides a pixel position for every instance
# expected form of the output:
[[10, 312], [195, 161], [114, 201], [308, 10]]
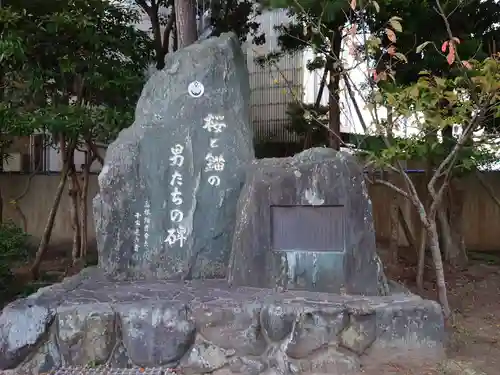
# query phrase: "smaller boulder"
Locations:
[[305, 222]]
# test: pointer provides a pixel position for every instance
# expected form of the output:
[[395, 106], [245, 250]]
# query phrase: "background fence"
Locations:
[[481, 216]]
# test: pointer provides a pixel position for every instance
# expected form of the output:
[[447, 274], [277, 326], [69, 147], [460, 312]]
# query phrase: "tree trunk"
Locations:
[[83, 204], [451, 239], [42, 247], [175, 40], [185, 21], [410, 236], [160, 40], [1, 207], [450, 214], [74, 193], [445, 240], [438, 266], [2, 150], [334, 94], [422, 245], [158, 45], [308, 139], [394, 237], [421, 260], [394, 204], [459, 258]]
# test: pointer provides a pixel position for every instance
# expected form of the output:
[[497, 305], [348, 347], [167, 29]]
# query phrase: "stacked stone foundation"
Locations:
[[87, 323]]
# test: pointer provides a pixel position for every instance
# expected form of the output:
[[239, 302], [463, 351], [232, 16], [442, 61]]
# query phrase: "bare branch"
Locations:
[[461, 67], [143, 5], [446, 166], [393, 187]]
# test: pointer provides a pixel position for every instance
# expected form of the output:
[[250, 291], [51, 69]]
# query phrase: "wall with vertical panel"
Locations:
[[273, 87]]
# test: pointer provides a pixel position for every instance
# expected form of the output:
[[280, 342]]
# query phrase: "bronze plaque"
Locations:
[[308, 228]]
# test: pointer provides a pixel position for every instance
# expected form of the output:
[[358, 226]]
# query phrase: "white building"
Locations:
[[273, 88]]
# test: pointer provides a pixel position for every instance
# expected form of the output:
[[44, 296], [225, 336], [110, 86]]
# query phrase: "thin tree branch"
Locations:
[[449, 162], [166, 33], [391, 186], [143, 5]]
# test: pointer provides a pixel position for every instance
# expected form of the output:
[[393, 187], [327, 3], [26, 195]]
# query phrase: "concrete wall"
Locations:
[[35, 206], [480, 215]]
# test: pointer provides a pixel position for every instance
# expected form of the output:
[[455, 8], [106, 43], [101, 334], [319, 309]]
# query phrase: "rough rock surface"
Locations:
[[171, 181], [305, 222], [205, 327]]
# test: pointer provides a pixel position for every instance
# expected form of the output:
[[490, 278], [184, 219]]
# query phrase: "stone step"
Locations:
[[100, 370], [105, 370]]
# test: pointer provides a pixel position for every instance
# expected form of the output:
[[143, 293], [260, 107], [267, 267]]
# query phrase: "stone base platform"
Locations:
[[206, 327]]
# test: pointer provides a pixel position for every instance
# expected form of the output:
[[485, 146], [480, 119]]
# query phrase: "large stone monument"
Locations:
[[305, 222], [170, 182], [167, 211]]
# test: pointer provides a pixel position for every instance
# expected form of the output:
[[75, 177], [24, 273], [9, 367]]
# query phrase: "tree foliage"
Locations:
[[472, 21], [421, 103], [458, 91], [65, 60], [218, 16], [73, 70], [379, 24]]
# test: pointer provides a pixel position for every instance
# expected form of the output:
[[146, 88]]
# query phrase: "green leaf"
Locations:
[[396, 25], [401, 57], [421, 47], [414, 91], [440, 82]]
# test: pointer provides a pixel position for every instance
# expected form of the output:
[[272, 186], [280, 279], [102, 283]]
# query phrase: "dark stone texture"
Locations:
[[203, 358], [277, 323], [23, 323], [133, 211], [402, 320], [246, 366], [166, 324], [156, 334], [361, 332], [86, 332], [306, 190], [47, 358], [316, 329], [329, 360], [119, 358], [234, 327]]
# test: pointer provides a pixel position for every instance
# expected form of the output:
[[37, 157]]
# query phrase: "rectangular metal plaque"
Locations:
[[308, 228]]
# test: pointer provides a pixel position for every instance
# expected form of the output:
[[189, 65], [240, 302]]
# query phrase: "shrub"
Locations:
[[13, 249]]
